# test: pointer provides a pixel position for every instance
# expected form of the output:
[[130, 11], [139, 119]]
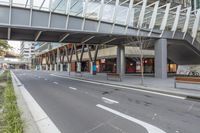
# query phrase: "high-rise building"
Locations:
[[27, 50]]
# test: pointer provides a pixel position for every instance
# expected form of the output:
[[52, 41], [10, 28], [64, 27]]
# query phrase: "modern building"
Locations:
[[27, 50]]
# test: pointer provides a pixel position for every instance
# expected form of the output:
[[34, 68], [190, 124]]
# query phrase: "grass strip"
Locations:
[[11, 113]]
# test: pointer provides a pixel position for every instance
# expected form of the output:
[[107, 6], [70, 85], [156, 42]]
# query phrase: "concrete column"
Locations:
[[47, 67], [121, 59], [40, 67], [55, 67], [93, 69], [61, 67], [78, 69], [161, 58], [58, 60], [68, 67], [50, 68]]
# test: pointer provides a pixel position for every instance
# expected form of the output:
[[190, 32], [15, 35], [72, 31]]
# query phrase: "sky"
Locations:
[[15, 45]]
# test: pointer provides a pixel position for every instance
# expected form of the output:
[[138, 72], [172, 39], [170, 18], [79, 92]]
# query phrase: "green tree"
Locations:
[[4, 46]]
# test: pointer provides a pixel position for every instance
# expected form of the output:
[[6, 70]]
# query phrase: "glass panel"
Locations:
[[21, 3], [121, 13], [108, 13], [41, 4], [147, 17], [93, 9], [76, 8], [59, 6], [136, 15]]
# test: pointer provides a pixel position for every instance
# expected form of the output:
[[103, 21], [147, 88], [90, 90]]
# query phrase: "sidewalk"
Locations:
[[150, 83]]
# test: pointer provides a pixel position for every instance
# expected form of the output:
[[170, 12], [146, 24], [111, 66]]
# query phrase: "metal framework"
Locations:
[[137, 15]]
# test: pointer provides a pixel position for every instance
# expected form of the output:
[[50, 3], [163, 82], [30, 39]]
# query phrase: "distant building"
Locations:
[[27, 50]]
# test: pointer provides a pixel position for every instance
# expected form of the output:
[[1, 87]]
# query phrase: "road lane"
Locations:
[[72, 112], [169, 114]]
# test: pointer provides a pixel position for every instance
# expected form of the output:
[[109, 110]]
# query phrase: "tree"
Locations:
[[4, 46], [140, 43]]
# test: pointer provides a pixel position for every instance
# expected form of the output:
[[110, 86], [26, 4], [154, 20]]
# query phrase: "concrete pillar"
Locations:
[[68, 67], [161, 58], [121, 59], [58, 59], [61, 67], [78, 69], [93, 69], [40, 67], [55, 67], [47, 67], [50, 68]]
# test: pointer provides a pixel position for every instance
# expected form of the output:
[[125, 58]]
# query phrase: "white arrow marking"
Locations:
[[150, 128]]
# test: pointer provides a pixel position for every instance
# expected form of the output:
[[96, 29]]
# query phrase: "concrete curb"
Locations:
[[136, 87], [29, 123], [40, 122]]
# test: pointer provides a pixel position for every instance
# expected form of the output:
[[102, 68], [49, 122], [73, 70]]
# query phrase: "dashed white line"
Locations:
[[45, 79], [55, 82], [147, 91], [150, 128], [107, 100], [72, 88]]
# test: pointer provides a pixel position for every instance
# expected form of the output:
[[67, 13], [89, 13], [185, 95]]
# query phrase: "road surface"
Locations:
[[82, 107]]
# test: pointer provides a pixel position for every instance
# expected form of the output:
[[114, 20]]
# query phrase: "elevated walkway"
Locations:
[[102, 22]]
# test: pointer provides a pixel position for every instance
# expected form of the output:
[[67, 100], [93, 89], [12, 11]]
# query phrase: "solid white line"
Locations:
[[44, 123], [72, 88], [150, 128], [157, 93], [55, 82], [109, 100]]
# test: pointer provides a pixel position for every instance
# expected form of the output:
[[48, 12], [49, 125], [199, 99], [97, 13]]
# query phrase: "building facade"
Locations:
[[27, 50]]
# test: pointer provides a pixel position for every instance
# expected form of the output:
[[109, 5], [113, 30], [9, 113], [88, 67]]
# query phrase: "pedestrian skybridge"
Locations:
[[109, 22]]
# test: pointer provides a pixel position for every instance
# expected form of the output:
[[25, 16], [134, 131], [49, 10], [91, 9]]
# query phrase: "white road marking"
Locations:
[[45, 79], [55, 82], [190, 108], [110, 101], [150, 128], [147, 91], [72, 88], [44, 123]]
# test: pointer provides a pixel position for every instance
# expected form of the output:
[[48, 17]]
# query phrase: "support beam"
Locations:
[[64, 37], [121, 60], [108, 41], [9, 33], [87, 39], [161, 59], [37, 35]]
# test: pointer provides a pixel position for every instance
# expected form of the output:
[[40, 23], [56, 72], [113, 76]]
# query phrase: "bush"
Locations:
[[11, 113]]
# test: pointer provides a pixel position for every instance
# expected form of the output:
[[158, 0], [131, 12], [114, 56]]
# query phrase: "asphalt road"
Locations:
[[80, 107]]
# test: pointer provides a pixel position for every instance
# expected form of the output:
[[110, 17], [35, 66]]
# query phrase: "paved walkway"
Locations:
[[150, 83]]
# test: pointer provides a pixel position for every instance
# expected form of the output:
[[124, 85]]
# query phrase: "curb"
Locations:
[[38, 118], [188, 96], [29, 123]]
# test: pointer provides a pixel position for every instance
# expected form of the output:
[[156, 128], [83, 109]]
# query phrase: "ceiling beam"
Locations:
[[87, 39], [37, 35], [64, 37]]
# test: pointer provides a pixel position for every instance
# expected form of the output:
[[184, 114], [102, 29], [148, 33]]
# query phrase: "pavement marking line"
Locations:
[[55, 82], [150, 128], [72, 88], [157, 93], [109, 100], [44, 123]]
